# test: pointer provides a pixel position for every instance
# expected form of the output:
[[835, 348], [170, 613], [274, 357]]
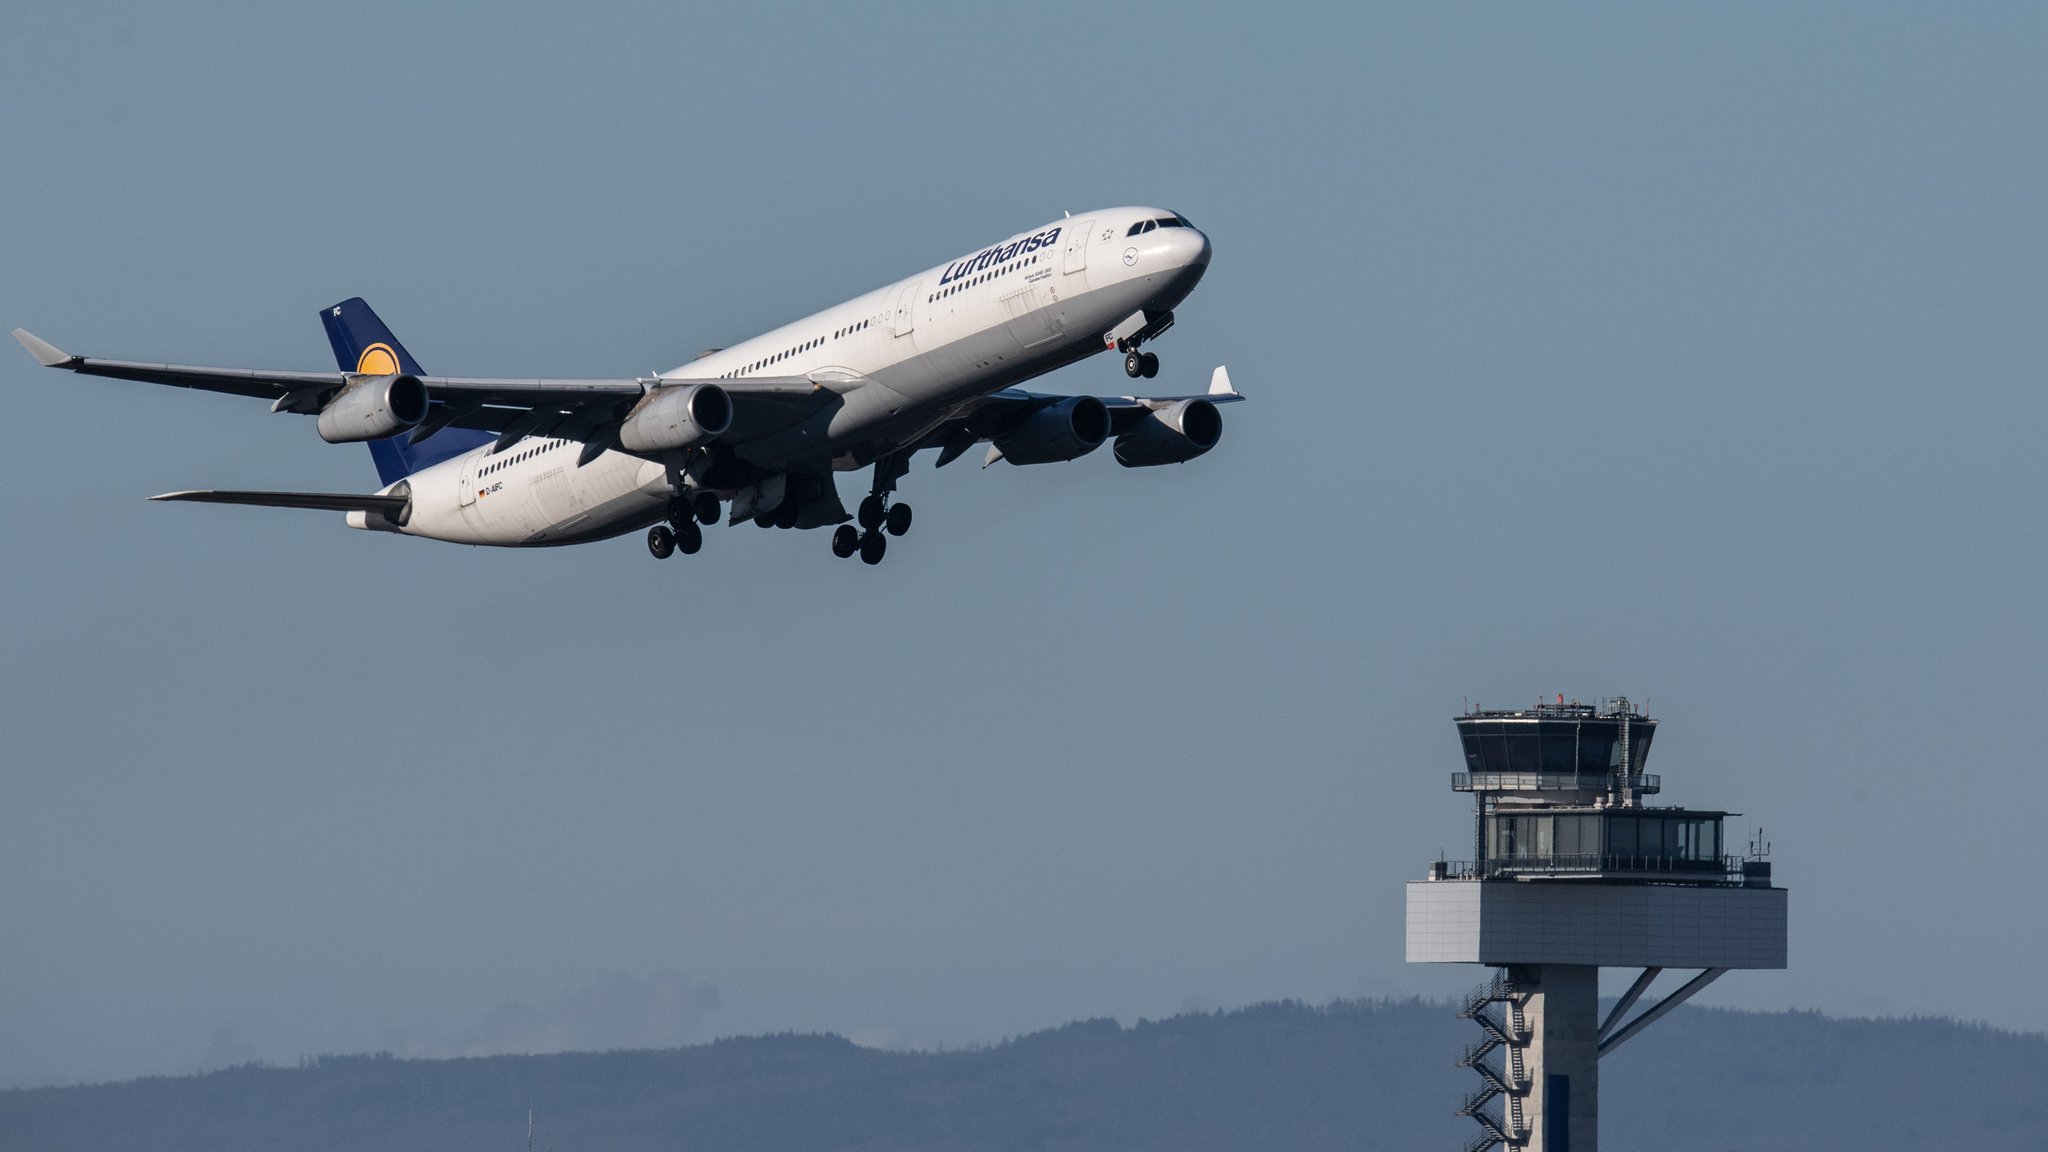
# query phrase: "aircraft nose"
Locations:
[[1190, 247]]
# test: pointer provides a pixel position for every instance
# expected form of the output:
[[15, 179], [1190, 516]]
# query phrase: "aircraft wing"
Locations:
[[572, 409], [989, 417], [319, 501]]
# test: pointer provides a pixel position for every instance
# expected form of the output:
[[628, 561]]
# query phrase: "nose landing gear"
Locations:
[[1140, 329]]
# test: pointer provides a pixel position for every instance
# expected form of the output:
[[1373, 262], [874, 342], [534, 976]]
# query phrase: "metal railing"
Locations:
[[1553, 782], [1715, 869], [1643, 782]]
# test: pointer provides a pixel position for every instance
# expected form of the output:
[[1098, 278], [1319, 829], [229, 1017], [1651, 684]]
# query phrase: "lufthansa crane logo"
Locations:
[[377, 360]]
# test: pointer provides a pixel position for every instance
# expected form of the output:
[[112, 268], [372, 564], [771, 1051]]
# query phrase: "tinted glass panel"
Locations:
[[1597, 748], [1639, 736], [1474, 762], [1522, 753], [1136, 228], [1560, 748], [1493, 747], [1621, 835]]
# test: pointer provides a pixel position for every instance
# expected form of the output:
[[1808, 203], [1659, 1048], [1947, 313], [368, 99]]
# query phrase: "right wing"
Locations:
[[990, 417]]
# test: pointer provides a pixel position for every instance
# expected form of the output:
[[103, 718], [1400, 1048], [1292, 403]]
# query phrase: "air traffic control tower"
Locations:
[[1573, 871]]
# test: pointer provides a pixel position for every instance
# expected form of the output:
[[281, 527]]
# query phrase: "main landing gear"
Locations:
[[878, 518], [681, 533], [664, 541]]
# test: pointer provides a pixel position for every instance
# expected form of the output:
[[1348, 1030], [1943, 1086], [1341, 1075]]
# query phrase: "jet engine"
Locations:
[[678, 416], [373, 407], [1072, 428], [1171, 435]]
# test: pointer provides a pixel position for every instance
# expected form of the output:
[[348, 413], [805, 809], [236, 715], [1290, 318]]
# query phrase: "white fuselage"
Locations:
[[900, 358]]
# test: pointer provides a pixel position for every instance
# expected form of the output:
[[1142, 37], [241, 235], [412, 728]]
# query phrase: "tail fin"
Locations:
[[363, 344]]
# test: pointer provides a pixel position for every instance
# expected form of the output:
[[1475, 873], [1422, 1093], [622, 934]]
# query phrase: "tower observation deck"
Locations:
[[1572, 871]]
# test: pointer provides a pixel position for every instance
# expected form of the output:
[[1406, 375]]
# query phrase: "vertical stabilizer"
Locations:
[[363, 345]]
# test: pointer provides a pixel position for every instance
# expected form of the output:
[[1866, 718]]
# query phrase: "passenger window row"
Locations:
[[500, 465], [991, 274], [787, 353]]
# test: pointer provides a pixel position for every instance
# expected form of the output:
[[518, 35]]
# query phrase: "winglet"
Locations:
[[46, 353], [1219, 382]]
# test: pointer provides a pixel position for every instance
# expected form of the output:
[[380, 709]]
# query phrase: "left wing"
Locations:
[[584, 410]]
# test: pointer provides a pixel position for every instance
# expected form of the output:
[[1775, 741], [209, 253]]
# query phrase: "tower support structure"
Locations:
[[1574, 872]]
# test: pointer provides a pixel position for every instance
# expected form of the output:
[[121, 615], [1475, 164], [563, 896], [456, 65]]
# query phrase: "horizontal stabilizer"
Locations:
[[46, 353], [318, 501]]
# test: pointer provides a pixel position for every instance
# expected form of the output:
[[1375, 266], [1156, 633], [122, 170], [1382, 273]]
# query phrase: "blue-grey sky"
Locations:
[[1689, 352]]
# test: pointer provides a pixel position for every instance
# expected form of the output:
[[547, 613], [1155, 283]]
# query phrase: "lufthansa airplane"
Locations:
[[758, 430]]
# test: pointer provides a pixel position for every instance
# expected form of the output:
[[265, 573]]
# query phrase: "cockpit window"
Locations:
[[1144, 226]]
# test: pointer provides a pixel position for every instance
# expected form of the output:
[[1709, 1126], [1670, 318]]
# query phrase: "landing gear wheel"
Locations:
[[872, 545], [689, 538], [898, 520], [1148, 364], [705, 507], [765, 520], [871, 513], [1134, 364], [845, 541], [786, 514], [661, 542]]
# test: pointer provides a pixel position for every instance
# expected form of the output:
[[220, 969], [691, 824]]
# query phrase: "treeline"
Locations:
[[1280, 1077]]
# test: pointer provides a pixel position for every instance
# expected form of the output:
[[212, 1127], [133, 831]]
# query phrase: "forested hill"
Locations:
[[1272, 1078]]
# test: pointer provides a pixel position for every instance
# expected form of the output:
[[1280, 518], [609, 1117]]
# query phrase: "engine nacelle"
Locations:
[[679, 416], [1072, 428], [373, 407], [1171, 435]]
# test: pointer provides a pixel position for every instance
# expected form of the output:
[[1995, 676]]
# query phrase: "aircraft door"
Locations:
[[465, 491], [1075, 234], [906, 309]]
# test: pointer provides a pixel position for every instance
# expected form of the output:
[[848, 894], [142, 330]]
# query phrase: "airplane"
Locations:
[[756, 431]]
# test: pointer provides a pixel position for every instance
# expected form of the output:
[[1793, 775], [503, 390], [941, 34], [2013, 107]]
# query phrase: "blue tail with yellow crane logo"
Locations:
[[363, 345]]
